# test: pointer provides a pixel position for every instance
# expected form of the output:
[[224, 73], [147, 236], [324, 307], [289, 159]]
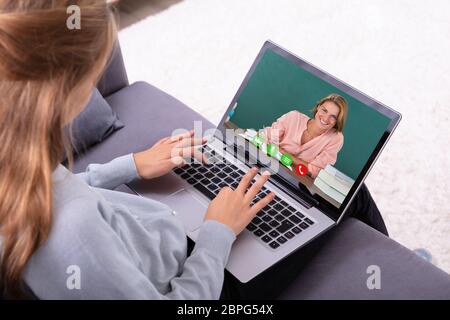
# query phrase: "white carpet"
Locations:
[[396, 51]]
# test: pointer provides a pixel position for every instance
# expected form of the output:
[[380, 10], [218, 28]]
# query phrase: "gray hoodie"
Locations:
[[106, 244]]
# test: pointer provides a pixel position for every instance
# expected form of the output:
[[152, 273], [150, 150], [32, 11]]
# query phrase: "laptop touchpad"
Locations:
[[158, 188], [187, 208]]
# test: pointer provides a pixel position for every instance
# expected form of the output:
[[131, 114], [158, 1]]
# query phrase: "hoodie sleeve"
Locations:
[[203, 272], [112, 174]]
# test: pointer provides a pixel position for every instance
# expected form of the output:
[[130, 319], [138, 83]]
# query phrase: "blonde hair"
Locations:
[[46, 72], [341, 103]]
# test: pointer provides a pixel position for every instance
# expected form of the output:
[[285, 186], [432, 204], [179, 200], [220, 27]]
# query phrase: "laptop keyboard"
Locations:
[[274, 225]]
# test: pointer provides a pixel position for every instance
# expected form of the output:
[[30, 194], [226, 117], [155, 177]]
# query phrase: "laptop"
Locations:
[[306, 206]]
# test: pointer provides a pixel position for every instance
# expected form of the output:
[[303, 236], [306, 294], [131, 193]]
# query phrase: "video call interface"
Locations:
[[318, 134]]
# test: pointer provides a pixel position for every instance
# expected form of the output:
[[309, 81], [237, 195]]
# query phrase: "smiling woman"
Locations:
[[314, 142]]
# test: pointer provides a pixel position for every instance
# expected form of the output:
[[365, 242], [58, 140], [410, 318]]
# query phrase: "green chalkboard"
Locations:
[[278, 86]]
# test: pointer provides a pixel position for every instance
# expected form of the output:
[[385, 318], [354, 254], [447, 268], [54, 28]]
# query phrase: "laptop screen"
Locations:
[[314, 132]]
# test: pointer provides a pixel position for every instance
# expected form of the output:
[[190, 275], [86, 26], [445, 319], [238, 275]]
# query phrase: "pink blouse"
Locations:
[[318, 152]]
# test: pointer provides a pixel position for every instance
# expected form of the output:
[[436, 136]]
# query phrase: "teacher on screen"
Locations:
[[314, 142]]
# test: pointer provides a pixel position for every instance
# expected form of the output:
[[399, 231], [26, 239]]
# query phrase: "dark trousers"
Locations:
[[272, 282]]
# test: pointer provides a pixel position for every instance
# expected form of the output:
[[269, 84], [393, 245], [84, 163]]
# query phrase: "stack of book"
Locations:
[[333, 183]]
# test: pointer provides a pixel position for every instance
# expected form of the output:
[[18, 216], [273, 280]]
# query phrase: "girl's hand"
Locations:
[[233, 209], [167, 154]]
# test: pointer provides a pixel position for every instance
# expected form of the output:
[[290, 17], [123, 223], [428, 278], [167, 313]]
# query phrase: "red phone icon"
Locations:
[[301, 169]]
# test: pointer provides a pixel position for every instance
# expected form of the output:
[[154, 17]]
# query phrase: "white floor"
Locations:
[[396, 51]]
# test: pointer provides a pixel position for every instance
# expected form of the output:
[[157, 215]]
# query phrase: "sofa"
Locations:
[[342, 268]]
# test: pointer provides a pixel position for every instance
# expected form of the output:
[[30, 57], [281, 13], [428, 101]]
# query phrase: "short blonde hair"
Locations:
[[341, 103]]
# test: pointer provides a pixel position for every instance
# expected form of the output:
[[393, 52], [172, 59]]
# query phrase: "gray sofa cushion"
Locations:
[[96, 122], [115, 76]]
